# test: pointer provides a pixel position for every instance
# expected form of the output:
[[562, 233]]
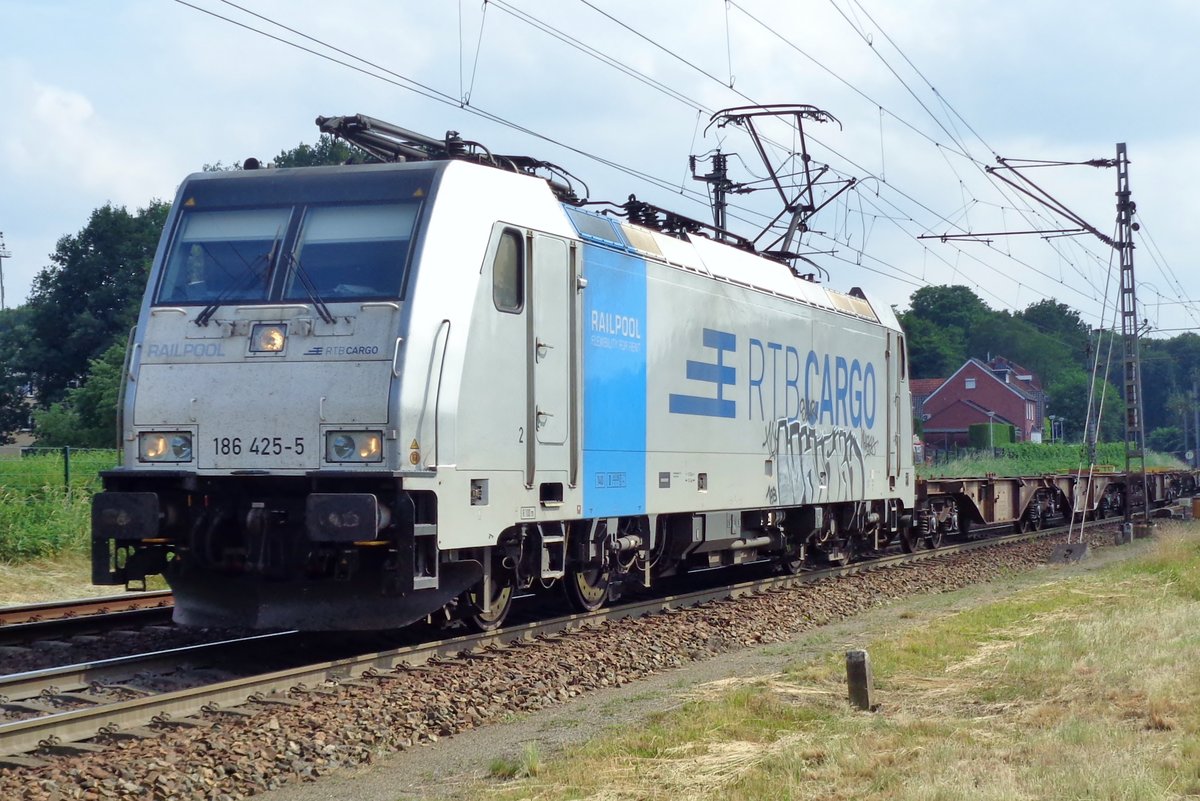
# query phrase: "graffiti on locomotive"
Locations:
[[818, 441], [819, 412]]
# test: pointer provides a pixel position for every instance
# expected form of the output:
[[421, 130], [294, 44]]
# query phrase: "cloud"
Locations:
[[55, 141]]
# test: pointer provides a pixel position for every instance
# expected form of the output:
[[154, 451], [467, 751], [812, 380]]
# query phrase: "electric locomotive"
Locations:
[[359, 396]]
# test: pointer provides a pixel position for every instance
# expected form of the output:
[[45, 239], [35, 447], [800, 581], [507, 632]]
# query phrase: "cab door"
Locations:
[[894, 357], [550, 361]]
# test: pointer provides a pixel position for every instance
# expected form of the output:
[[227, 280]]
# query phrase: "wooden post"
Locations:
[[858, 679]]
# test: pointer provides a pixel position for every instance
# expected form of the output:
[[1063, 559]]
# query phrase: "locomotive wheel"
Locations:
[[586, 589], [909, 541], [791, 559], [501, 603]]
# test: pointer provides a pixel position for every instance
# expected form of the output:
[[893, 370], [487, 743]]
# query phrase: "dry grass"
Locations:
[[49, 579], [1085, 688]]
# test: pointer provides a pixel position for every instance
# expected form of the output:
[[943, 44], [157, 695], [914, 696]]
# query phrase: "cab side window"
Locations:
[[508, 273]]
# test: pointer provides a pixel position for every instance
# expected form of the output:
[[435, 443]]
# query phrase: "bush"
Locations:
[[1001, 434]]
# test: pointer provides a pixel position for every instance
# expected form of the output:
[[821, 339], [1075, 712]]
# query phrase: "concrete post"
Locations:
[[858, 679]]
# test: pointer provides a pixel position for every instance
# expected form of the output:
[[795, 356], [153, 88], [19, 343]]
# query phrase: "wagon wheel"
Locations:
[[1036, 518], [586, 588], [499, 606], [1102, 509], [933, 538]]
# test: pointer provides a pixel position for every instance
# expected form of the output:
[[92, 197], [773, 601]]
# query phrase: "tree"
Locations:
[[937, 323], [948, 306], [89, 297], [327, 150], [15, 406], [1068, 399], [932, 353], [87, 416], [1167, 439]]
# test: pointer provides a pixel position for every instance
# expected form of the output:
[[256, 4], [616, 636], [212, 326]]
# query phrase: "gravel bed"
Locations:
[[341, 726]]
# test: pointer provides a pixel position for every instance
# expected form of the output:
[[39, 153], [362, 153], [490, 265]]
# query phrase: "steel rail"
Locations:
[[54, 610], [80, 724], [32, 631], [72, 678]]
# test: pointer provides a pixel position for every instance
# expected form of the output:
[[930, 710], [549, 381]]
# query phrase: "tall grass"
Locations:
[[45, 509]]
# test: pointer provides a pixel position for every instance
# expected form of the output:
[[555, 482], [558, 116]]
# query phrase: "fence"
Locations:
[[70, 469]]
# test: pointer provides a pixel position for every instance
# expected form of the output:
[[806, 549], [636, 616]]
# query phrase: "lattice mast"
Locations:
[[1135, 435]]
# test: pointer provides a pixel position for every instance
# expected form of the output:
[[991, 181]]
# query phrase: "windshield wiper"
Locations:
[[248, 278], [310, 289]]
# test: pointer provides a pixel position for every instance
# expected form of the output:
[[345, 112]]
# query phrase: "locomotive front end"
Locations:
[[261, 445]]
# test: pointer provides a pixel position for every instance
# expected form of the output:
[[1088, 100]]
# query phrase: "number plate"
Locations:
[[257, 446]]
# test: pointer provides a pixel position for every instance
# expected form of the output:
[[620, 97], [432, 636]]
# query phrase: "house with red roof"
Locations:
[[999, 391]]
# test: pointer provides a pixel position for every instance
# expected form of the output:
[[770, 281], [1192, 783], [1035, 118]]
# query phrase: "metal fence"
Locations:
[[39, 469]]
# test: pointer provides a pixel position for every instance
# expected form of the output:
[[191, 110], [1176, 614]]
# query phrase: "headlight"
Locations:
[[354, 446], [268, 337], [165, 446]]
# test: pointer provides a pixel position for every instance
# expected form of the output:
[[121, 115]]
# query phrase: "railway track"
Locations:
[[57, 619], [60, 708]]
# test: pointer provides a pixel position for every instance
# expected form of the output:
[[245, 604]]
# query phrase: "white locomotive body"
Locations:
[[361, 395]]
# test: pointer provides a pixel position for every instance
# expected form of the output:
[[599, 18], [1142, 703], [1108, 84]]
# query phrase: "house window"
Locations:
[[970, 383]]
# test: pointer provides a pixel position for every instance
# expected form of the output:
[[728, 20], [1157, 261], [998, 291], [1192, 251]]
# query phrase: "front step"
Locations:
[[554, 551]]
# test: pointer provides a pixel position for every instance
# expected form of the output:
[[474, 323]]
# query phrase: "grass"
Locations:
[[41, 514], [1034, 459], [1086, 687], [65, 575], [529, 765]]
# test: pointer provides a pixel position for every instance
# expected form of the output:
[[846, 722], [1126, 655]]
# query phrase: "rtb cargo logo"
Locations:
[[826, 388]]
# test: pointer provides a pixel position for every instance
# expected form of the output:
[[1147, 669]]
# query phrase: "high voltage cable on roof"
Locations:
[[404, 82], [445, 98], [438, 96], [712, 77], [932, 88]]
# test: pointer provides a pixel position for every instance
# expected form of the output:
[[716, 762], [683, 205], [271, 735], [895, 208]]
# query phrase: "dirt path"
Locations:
[[457, 768]]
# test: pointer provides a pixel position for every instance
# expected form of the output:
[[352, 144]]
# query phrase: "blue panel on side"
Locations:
[[614, 383]]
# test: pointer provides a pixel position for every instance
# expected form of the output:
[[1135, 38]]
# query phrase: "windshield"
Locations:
[[357, 251], [223, 254], [337, 252]]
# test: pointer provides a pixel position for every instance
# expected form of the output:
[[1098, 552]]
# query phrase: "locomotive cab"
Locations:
[[262, 441]]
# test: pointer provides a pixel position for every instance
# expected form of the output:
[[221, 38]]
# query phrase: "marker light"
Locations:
[[268, 337], [354, 446], [164, 446]]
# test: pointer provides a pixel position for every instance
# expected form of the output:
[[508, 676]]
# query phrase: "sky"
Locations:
[[117, 101]]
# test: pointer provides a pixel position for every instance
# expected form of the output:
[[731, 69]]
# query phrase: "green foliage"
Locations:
[[1035, 459], [327, 151], [1001, 434], [932, 351], [1168, 439], [937, 323], [947, 325], [40, 515], [87, 416], [15, 405], [1068, 392], [88, 298]]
